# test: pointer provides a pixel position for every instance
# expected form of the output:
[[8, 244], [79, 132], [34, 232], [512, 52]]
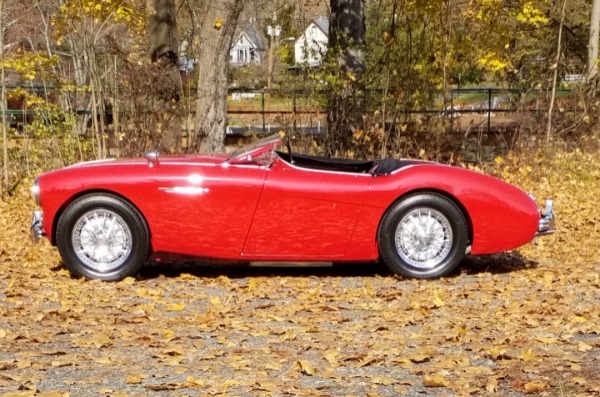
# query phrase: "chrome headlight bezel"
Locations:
[[35, 191]]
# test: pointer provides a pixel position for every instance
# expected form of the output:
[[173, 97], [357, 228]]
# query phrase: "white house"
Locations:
[[248, 46], [310, 47]]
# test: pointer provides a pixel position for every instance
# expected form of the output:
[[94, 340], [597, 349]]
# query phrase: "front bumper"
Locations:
[[36, 231], [547, 222]]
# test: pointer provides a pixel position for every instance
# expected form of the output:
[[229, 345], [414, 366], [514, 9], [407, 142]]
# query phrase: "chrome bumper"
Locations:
[[36, 232], [546, 224]]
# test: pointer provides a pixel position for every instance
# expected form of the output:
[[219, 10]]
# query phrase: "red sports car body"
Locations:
[[420, 218]]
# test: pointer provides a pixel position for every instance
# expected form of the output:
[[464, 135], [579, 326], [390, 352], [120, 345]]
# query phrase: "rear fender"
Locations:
[[447, 195], [500, 216]]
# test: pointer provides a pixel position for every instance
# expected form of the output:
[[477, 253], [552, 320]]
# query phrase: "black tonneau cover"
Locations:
[[375, 167]]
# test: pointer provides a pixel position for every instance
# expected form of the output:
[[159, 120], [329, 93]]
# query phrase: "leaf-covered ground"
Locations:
[[526, 322]]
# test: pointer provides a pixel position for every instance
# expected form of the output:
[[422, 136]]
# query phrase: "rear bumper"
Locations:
[[547, 221], [36, 231]]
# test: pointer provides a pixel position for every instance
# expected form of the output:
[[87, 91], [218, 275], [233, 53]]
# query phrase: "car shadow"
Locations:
[[507, 262], [242, 270]]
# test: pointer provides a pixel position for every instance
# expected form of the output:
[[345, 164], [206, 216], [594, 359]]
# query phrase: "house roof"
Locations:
[[252, 33], [323, 24]]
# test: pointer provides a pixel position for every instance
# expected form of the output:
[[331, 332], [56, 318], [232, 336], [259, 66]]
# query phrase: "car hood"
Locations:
[[191, 159]]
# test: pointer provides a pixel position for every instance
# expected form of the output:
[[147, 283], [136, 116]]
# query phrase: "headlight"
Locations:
[[35, 191]]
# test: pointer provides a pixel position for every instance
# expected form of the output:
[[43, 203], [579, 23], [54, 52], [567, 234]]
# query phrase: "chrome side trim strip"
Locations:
[[191, 190]]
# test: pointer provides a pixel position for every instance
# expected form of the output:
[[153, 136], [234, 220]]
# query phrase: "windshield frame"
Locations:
[[249, 151]]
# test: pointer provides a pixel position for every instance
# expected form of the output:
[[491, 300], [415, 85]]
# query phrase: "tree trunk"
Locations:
[[3, 100], [216, 34], [592, 67], [347, 34], [346, 100], [80, 74], [555, 77], [162, 35], [162, 32]]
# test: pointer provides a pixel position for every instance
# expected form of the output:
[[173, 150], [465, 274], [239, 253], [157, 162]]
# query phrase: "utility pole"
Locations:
[[273, 33]]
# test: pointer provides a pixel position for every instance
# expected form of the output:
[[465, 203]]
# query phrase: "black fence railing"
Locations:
[[252, 111], [484, 102]]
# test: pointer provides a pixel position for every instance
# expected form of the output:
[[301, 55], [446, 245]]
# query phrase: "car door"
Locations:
[[305, 214], [203, 210]]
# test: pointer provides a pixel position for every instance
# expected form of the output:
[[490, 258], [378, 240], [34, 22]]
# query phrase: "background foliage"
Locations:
[[88, 89]]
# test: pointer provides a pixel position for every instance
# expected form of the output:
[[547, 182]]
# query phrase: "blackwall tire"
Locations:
[[100, 236], [424, 235]]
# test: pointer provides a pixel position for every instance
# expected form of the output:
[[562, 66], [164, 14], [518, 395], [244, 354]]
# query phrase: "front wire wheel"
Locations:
[[101, 236], [101, 240], [423, 236]]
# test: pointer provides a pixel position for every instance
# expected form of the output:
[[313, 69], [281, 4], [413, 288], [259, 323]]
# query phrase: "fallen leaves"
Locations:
[[134, 379], [491, 385], [528, 355], [503, 327], [536, 386], [583, 347], [305, 367], [175, 307], [435, 380], [54, 393], [437, 300], [101, 340], [174, 350]]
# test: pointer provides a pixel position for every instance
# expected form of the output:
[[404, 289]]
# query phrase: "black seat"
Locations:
[[328, 164], [389, 165]]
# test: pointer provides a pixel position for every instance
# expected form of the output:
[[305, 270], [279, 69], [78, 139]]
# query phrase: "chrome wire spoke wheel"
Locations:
[[101, 240], [423, 238]]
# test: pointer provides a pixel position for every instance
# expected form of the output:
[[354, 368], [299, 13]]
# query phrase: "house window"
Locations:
[[242, 55]]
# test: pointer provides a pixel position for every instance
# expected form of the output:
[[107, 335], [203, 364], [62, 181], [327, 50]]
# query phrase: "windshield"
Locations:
[[251, 147]]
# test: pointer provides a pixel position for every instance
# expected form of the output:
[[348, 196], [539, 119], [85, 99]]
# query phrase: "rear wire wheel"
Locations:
[[423, 236]]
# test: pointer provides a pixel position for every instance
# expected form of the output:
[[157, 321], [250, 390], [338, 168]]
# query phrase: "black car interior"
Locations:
[[373, 167]]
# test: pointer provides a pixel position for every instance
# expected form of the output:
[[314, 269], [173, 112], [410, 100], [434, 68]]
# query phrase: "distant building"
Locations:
[[249, 45], [573, 78], [310, 47], [186, 64]]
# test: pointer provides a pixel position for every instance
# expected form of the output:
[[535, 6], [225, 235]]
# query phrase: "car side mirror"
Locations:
[[152, 156]]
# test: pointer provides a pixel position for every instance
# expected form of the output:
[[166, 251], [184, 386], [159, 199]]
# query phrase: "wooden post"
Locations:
[[262, 94], [294, 109], [489, 109], [451, 110]]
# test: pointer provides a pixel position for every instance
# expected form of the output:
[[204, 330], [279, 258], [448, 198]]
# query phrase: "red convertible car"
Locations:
[[420, 218]]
